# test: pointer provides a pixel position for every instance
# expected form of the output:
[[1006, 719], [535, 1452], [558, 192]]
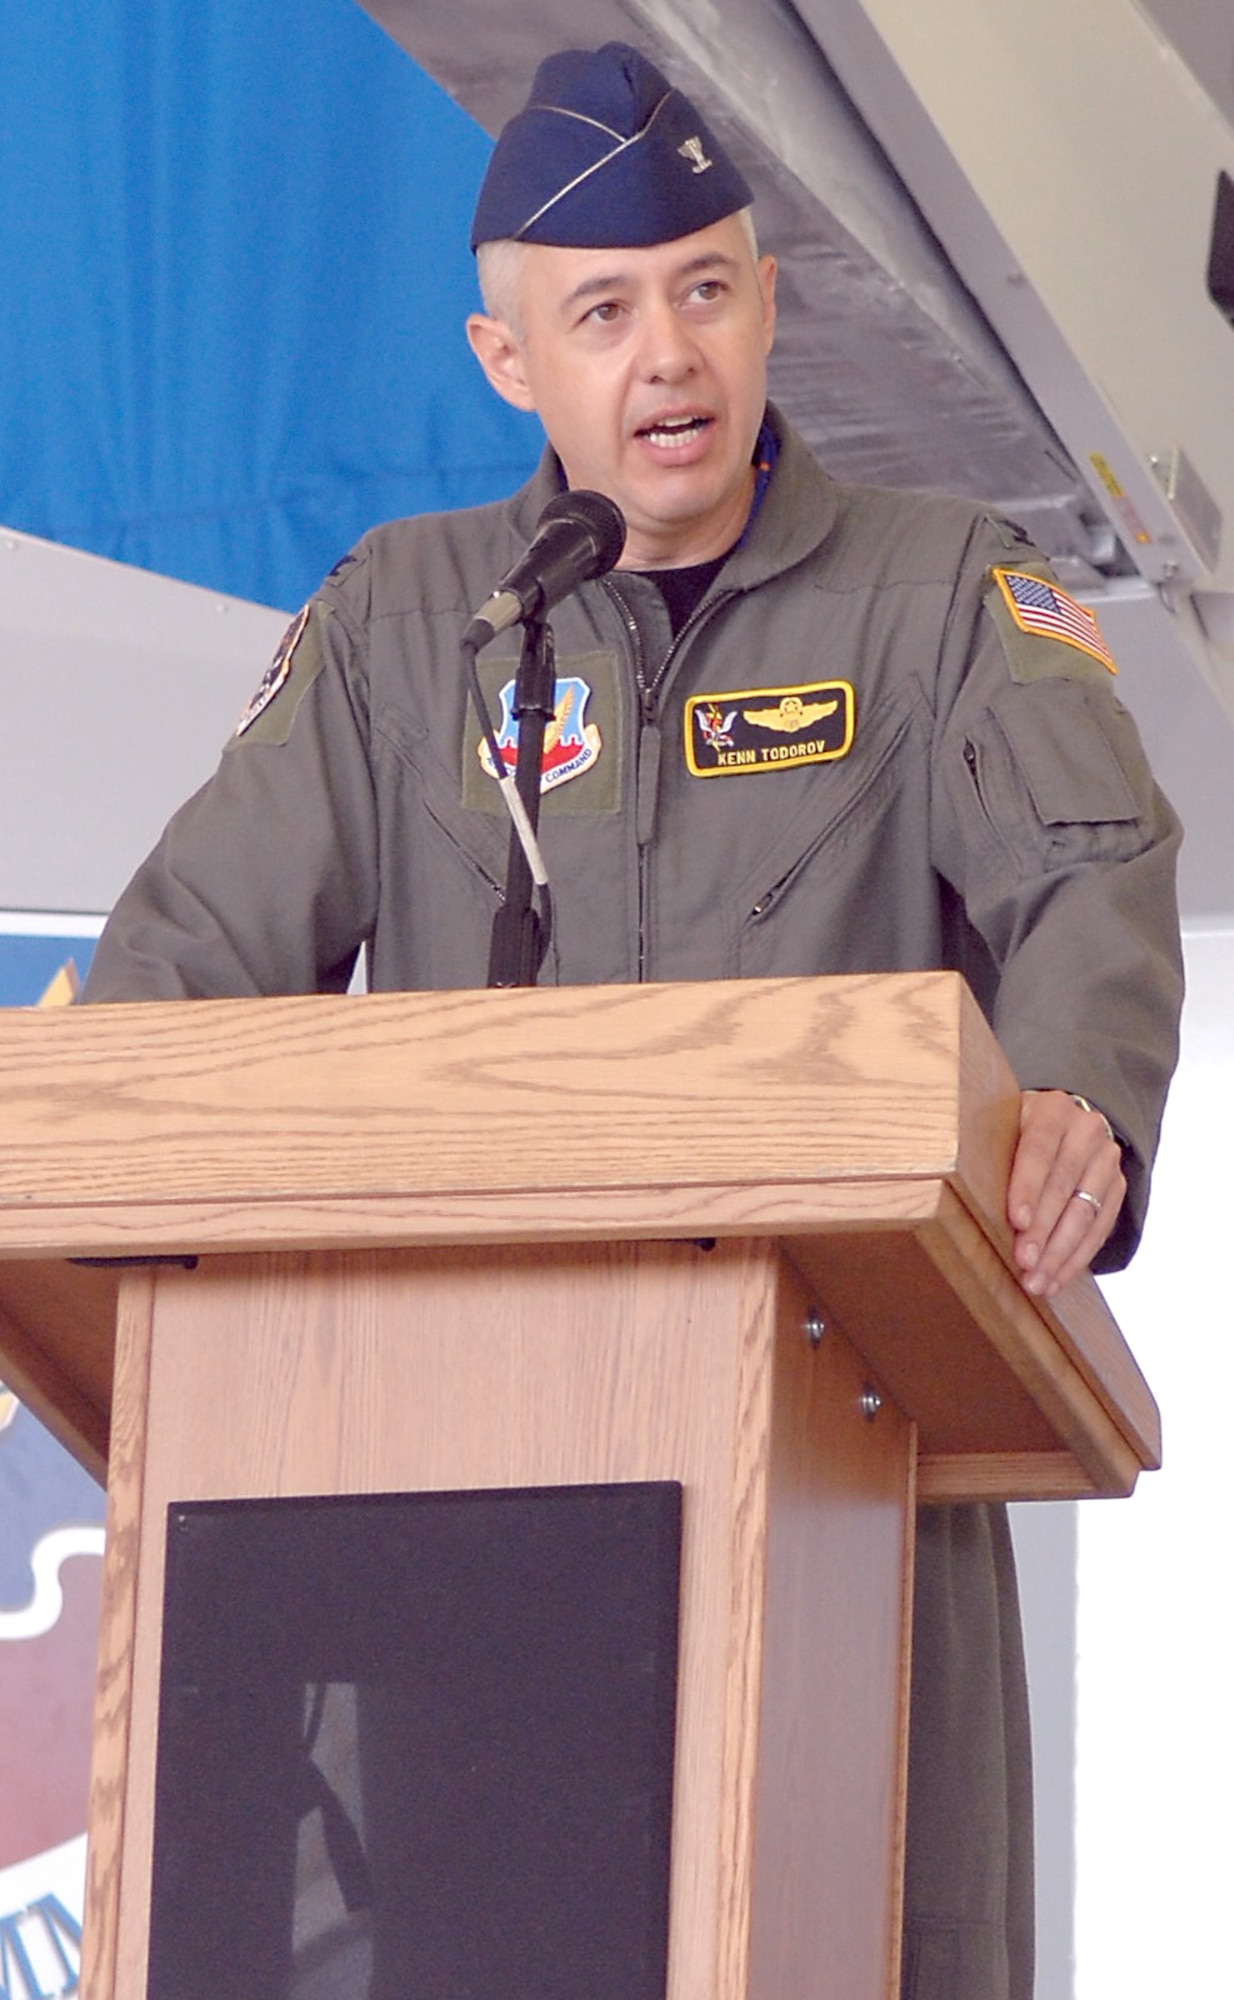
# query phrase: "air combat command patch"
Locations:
[[769, 729], [571, 744]]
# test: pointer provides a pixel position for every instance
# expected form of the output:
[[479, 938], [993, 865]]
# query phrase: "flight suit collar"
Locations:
[[797, 514]]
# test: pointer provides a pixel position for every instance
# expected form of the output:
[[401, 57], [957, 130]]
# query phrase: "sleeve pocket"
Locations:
[[1053, 775], [1063, 736]]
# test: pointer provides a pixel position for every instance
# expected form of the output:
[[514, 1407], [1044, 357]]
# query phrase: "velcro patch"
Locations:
[[1039, 608], [571, 743], [276, 677], [581, 766], [769, 729]]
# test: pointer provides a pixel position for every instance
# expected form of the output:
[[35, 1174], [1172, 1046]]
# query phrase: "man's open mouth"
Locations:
[[673, 430]]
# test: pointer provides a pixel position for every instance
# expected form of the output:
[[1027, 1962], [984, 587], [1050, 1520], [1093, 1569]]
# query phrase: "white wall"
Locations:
[[117, 692], [1046, 1555], [1129, 1605], [1155, 1607]]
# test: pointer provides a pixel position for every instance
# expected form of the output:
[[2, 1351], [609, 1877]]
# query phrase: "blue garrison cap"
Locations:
[[605, 155]]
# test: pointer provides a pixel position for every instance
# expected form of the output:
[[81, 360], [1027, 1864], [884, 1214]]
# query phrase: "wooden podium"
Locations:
[[748, 1237]]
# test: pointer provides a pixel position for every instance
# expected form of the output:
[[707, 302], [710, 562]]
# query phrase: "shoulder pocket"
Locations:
[[1055, 773], [1060, 736]]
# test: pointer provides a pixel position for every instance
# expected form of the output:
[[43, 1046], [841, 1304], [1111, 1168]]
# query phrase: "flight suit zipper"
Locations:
[[650, 737]]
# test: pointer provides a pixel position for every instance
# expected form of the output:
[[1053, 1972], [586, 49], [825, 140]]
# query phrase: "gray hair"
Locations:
[[499, 268]]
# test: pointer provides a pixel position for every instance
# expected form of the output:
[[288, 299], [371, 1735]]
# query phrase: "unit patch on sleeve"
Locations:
[[1043, 611], [276, 675], [768, 729]]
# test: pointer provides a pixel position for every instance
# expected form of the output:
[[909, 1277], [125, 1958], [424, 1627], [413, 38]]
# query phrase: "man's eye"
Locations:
[[709, 290], [606, 312]]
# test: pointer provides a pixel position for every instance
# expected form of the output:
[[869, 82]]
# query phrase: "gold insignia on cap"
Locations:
[[692, 150]]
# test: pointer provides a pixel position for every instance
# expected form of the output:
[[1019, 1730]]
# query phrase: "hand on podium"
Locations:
[[1066, 1189]]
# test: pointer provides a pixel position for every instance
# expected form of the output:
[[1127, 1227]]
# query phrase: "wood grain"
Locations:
[[453, 1369], [834, 1697], [842, 1115], [443, 1369], [1087, 1332], [57, 1359], [655, 1209], [110, 1773], [1010, 1402], [1110, 1450], [358, 1099], [963, 1476], [913, 1500], [431, 1232]]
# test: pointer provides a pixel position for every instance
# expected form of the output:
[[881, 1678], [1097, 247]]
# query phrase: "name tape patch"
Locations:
[[769, 729]]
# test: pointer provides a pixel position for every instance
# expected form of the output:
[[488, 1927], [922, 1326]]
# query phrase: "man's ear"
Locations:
[[501, 357], [767, 286]]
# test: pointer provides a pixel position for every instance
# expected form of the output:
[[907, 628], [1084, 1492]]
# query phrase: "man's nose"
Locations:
[[668, 352]]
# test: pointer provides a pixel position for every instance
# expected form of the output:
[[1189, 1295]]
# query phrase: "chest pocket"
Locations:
[[815, 845], [421, 803], [842, 817], [583, 745]]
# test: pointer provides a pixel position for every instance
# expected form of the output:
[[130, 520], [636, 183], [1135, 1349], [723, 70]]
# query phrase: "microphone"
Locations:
[[578, 536]]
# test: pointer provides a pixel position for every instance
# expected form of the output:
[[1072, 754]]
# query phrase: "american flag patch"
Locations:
[[1044, 609]]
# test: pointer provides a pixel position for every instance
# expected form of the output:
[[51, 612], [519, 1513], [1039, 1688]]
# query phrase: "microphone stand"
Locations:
[[520, 939]]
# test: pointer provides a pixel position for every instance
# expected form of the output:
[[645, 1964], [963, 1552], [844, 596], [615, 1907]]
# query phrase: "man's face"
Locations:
[[648, 370]]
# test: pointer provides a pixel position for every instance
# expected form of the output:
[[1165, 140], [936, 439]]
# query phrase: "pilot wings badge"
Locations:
[[790, 715]]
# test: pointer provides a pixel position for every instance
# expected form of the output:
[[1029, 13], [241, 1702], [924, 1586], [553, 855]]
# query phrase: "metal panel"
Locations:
[[118, 689], [1069, 162]]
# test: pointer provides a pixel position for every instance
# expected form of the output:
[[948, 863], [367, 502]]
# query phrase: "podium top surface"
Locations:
[[825, 1112], [333, 1118]]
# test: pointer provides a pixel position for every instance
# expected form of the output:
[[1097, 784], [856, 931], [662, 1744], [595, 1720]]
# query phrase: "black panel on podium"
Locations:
[[417, 1744]]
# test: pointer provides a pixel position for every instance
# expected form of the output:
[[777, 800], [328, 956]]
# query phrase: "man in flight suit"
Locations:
[[801, 728]]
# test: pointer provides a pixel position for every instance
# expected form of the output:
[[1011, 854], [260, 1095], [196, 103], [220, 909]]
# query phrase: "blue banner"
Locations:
[[234, 246]]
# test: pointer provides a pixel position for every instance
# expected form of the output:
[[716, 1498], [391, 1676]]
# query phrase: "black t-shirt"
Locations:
[[684, 589]]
